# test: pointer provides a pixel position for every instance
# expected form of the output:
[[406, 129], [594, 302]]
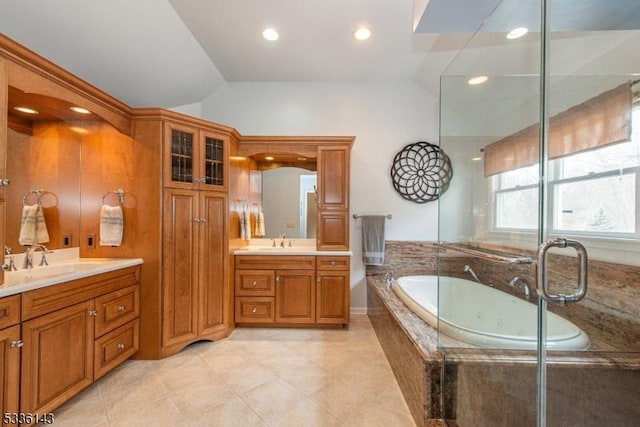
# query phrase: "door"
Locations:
[[295, 296], [589, 213], [57, 357], [546, 155], [180, 274], [212, 267], [10, 363]]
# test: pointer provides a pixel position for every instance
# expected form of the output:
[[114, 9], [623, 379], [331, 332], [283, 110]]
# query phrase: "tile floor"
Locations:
[[256, 377]]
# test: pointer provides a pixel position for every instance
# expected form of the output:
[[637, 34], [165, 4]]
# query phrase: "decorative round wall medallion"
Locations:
[[421, 172]]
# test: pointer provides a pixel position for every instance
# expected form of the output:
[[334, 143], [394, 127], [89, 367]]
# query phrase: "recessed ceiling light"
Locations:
[[26, 110], [268, 158], [477, 80], [270, 34], [80, 110], [362, 33], [517, 33], [302, 158]]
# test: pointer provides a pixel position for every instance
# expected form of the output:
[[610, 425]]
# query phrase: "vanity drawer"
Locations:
[[330, 263], [117, 308], [275, 262], [259, 283], [114, 348], [255, 310], [9, 311]]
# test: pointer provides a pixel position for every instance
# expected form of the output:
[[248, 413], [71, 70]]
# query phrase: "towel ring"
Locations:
[[37, 193], [119, 193]]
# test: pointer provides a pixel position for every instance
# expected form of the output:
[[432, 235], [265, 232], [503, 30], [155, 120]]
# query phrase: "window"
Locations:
[[593, 193]]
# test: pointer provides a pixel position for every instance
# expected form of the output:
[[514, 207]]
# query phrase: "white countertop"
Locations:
[[298, 247], [288, 251], [61, 269]]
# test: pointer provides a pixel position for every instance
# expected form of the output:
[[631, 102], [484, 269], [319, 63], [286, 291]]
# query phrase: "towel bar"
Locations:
[[38, 194], [119, 192], [388, 216]]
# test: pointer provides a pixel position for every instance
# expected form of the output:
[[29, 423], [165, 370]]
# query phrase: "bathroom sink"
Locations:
[[37, 277]]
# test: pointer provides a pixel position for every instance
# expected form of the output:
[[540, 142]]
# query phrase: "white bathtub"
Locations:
[[484, 316]]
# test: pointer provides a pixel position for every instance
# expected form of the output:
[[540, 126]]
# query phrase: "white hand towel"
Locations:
[[260, 225], [243, 224], [247, 225], [33, 229], [111, 225]]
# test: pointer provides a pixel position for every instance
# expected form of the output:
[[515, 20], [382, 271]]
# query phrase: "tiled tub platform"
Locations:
[[470, 387]]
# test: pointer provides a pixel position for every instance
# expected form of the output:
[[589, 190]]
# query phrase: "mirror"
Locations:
[[43, 165], [283, 185], [289, 202]]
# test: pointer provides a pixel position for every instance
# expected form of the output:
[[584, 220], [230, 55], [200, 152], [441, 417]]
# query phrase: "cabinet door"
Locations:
[[212, 265], [180, 156], [333, 178], [332, 297], [295, 296], [180, 290], [333, 198], [10, 364], [57, 357], [4, 88], [213, 168]]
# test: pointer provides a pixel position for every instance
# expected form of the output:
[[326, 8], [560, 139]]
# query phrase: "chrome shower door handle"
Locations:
[[541, 276]]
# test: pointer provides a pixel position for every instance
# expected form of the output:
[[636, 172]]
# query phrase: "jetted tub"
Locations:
[[484, 316]]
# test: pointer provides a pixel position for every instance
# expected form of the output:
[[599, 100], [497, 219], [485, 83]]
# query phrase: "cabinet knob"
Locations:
[[120, 346], [93, 313], [17, 344], [4, 182], [333, 263], [254, 310], [254, 283], [121, 308]]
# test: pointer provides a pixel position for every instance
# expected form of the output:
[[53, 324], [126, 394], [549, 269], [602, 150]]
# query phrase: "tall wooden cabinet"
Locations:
[[193, 290]]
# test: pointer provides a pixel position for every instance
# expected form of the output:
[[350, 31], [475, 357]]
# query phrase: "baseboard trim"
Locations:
[[358, 310]]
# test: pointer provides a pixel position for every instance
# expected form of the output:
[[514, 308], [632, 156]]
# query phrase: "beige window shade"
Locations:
[[602, 120]]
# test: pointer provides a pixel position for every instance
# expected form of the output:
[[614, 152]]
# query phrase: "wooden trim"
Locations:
[[142, 114], [114, 111]]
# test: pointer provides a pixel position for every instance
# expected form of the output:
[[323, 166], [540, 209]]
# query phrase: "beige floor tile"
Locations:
[[233, 412], [159, 413], [274, 377], [247, 376]]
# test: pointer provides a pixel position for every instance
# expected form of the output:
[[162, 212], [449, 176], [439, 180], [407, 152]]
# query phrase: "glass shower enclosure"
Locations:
[[540, 116]]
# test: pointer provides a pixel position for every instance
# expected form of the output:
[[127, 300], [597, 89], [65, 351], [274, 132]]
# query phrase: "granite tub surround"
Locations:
[[454, 375]]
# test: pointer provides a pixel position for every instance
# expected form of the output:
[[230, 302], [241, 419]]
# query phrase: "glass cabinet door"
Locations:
[[195, 158], [213, 161], [182, 156]]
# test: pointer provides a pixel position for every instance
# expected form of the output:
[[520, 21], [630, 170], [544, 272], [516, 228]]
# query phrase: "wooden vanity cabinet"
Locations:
[[292, 290], [10, 344], [74, 333]]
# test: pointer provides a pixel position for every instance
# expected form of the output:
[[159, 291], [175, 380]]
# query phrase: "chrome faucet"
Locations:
[[389, 278], [282, 237], [12, 265], [525, 285], [468, 269], [28, 256]]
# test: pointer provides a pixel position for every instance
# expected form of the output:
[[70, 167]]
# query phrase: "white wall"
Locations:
[[384, 117]]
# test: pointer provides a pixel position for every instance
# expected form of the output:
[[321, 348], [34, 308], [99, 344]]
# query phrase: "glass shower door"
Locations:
[[587, 262], [546, 157]]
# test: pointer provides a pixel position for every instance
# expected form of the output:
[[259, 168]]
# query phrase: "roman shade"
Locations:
[[602, 120]]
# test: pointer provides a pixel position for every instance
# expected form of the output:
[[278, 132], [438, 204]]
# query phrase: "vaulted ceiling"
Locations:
[[173, 52]]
